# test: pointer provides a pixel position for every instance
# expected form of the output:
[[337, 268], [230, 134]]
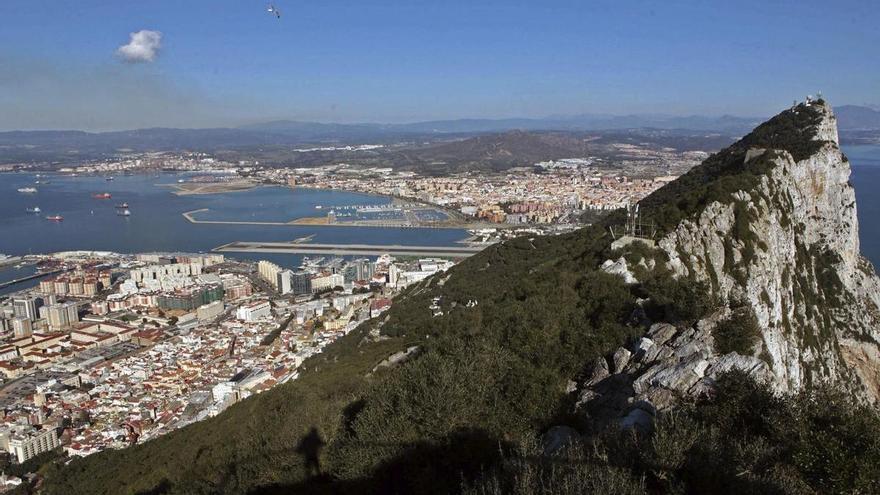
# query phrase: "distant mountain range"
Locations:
[[726, 124], [853, 117], [65, 146]]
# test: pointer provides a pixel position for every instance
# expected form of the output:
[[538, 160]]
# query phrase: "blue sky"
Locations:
[[228, 62]]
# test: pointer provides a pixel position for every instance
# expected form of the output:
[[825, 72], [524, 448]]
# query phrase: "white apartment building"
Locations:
[[25, 442], [327, 282], [254, 311]]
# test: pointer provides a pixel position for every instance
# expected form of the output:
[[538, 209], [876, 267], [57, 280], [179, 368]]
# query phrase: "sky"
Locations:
[[123, 64]]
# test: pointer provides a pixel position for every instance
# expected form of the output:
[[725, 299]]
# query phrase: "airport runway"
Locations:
[[347, 249]]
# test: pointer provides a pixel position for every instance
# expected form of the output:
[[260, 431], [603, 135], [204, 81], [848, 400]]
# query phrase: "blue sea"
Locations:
[[156, 222], [865, 162]]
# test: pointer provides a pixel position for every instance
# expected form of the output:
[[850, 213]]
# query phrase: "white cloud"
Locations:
[[143, 47]]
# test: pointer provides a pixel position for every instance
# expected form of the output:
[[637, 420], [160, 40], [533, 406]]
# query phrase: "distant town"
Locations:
[[549, 193]]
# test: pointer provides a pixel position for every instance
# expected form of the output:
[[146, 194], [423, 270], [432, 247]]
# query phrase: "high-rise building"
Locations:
[[302, 283], [269, 272], [62, 316], [365, 269], [27, 442], [393, 274], [47, 286], [284, 284], [27, 307], [22, 327]]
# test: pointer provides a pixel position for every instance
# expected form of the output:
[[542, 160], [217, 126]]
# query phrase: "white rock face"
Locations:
[[793, 258], [619, 267], [805, 230]]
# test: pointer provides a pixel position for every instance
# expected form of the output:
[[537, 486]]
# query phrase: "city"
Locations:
[[119, 349]]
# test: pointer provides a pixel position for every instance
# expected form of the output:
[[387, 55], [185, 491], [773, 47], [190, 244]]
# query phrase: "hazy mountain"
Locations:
[[728, 124], [66, 146], [853, 117]]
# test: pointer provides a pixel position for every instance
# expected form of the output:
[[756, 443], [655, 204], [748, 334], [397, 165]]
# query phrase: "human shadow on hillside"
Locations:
[[310, 449], [420, 467]]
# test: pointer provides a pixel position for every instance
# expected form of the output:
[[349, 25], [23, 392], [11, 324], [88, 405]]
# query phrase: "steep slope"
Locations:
[[756, 269], [769, 228], [788, 247]]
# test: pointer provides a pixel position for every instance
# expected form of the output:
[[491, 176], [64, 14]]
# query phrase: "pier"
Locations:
[[347, 249], [29, 277]]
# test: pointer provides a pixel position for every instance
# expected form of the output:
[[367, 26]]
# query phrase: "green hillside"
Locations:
[[465, 411]]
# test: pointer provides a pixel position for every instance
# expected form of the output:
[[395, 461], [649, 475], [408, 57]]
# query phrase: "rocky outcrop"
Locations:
[[621, 268], [786, 247], [668, 363], [790, 249]]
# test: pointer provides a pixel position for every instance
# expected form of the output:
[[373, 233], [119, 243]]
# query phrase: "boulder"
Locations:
[[598, 371], [638, 419], [621, 359], [660, 333], [642, 347], [619, 267], [558, 439]]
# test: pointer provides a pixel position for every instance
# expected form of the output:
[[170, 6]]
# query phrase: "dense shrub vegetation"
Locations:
[[743, 440], [725, 172]]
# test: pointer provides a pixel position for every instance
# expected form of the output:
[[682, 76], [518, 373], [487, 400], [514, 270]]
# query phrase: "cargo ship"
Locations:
[[55, 218], [105, 195], [27, 190]]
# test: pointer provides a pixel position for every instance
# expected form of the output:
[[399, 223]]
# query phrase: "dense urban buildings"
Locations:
[[167, 339]]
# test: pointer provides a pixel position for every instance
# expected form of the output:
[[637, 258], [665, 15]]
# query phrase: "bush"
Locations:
[[739, 333], [682, 299]]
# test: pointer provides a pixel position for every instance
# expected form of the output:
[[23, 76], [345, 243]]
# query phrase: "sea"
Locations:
[[156, 223], [865, 178]]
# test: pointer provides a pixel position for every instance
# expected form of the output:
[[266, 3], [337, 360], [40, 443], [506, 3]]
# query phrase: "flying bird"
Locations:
[[274, 11]]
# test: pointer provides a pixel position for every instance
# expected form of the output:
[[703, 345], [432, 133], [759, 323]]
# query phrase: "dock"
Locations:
[[347, 249], [29, 277]]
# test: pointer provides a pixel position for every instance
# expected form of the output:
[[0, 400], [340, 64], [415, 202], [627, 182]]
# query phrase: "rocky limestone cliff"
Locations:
[[786, 249]]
